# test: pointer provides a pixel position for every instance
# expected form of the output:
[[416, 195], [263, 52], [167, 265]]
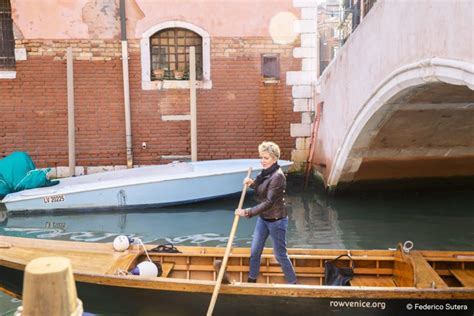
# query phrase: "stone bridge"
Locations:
[[398, 99]]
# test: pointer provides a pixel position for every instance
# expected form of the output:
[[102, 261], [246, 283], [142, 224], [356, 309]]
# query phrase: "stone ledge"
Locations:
[[7, 74], [177, 157], [181, 117], [174, 84]]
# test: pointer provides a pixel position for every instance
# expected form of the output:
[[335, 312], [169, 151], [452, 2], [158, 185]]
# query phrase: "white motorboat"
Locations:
[[159, 185]]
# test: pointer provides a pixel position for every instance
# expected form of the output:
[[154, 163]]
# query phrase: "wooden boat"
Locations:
[[386, 282], [160, 185]]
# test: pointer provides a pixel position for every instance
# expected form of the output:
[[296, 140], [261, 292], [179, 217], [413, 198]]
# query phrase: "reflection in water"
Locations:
[[315, 223], [199, 224], [433, 220], [8, 305], [363, 221]]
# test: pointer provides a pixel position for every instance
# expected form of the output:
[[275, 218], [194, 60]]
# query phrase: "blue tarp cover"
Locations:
[[18, 172]]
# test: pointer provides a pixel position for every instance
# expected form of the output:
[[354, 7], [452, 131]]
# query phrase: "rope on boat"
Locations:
[[140, 243], [121, 272]]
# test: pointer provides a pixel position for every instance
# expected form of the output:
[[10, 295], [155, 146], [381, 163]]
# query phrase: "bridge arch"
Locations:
[[385, 101]]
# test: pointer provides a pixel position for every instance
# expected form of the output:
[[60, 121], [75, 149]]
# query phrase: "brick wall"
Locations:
[[234, 116]]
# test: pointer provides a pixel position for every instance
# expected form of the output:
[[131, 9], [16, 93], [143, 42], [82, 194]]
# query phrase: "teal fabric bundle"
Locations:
[[18, 172]]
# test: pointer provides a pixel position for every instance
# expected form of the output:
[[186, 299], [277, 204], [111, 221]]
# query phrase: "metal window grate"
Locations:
[[271, 66], [7, 41], [170, 54]]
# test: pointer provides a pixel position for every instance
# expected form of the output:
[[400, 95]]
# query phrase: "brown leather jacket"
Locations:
[[270, 195]]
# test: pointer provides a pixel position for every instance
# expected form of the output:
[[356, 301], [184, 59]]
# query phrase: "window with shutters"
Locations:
[[7, 41], [271, 66]]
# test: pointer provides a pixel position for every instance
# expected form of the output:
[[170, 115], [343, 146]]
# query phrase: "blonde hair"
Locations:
[[271, 148]]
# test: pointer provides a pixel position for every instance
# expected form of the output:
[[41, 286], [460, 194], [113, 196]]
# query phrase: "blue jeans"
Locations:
[[277, 230]]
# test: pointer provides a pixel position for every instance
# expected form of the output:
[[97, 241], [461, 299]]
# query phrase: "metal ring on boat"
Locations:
[[407, 246]]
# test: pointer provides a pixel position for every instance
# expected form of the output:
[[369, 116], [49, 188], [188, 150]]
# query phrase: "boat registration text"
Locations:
[[53, 199]]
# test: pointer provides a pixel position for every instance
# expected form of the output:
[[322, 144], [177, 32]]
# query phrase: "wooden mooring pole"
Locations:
[[49, 289], [71, 128], [192, 101]]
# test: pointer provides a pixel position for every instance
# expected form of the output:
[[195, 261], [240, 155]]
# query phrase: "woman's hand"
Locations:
[[241, 212], [248, 181]]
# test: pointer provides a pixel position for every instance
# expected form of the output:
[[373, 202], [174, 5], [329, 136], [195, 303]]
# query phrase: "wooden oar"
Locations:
[[227, 251]]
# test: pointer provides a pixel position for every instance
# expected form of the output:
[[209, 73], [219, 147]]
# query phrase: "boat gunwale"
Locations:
[[306, 253], [272, 289]]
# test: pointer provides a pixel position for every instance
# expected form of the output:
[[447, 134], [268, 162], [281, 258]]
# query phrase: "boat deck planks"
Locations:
[[466, 277], [100, 262], [382, 281]]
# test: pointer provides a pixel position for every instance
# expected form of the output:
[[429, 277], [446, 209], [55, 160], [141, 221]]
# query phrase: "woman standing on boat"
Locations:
[[272, 218]]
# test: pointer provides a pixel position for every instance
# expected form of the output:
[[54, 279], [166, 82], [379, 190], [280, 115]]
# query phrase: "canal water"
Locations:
[[440, 219]]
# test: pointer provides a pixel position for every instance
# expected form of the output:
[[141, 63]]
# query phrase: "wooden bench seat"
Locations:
[[425, 275], [369, 280], [167, 267], [466, 277]]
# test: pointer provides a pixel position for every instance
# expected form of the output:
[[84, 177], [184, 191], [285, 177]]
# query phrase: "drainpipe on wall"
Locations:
[[126, 87]]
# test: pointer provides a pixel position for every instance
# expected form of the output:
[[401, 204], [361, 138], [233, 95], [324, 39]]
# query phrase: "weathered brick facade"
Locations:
[[234, 116]]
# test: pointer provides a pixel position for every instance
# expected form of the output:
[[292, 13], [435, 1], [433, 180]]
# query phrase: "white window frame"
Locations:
[[20, 54], [148, 84]]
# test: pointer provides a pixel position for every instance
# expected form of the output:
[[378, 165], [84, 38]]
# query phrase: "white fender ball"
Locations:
[[121, 243], [146, 268]]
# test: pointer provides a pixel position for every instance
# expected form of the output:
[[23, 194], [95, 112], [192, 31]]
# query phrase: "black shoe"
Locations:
[[251, 280]]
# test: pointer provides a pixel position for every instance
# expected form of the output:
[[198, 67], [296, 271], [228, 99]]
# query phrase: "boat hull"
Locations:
[[148, 187], [117, 300], [385, 282]]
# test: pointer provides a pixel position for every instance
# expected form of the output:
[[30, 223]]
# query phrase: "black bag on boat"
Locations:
[[334, 275], [168, 248]]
